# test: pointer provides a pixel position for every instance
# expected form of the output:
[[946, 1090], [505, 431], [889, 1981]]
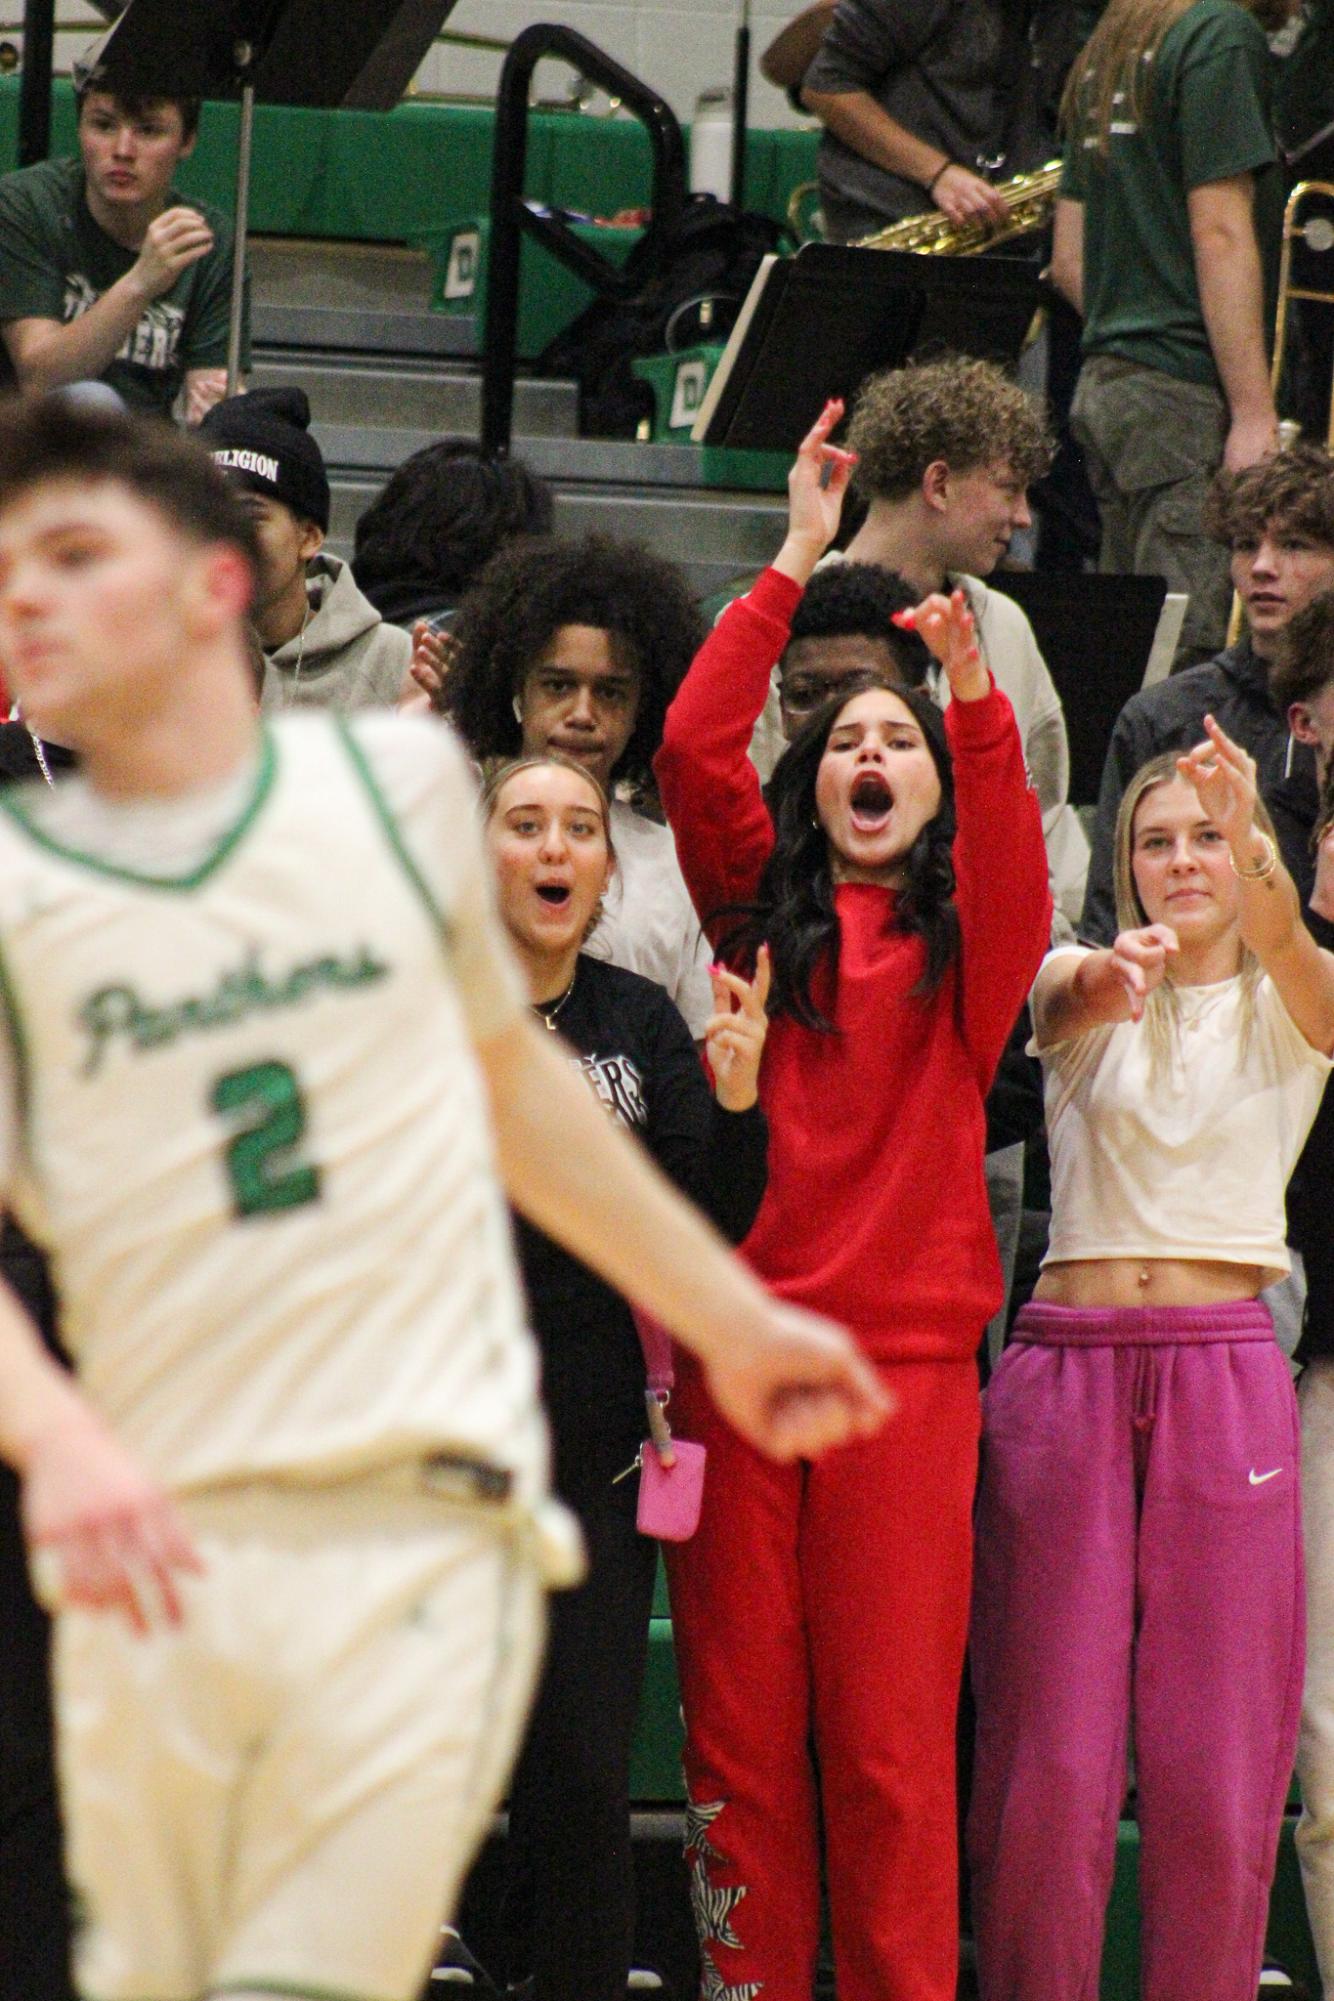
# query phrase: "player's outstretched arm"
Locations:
[[791, 1383], [100, 1533]]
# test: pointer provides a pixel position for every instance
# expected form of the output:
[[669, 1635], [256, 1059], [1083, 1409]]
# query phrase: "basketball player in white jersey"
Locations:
[[265, 1071]]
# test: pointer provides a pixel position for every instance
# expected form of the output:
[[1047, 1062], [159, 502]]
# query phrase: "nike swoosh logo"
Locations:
[[1258, 1479]]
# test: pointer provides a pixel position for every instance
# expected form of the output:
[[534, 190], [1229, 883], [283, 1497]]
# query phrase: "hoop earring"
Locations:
[[517, 707]]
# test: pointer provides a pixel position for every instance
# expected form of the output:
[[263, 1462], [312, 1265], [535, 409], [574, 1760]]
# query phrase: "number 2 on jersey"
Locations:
[[265, 1104]]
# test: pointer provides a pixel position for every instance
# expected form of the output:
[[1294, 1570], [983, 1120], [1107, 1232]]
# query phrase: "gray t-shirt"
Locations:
[[948, 71], [55, 262]]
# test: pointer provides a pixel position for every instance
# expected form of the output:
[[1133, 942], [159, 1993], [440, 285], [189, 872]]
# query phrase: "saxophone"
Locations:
[[1029, 198]]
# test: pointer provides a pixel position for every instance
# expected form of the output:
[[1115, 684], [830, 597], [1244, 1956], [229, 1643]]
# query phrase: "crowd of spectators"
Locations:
[[666, 807]]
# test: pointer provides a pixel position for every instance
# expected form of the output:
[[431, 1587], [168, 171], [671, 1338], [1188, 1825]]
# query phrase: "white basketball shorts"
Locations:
[[283, 1795]]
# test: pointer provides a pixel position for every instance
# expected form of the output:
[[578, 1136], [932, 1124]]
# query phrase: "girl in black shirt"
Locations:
[[569, 1903]]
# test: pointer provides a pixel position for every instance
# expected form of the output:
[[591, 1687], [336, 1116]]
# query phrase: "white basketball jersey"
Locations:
[[253, 1131]]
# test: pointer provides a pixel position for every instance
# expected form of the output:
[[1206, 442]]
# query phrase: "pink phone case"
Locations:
[[670, 1496]]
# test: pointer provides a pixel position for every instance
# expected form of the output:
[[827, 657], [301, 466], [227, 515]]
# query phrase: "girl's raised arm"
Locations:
[[1223, 775]]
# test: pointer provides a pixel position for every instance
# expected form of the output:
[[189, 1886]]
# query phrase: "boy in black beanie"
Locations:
[[325, 644]]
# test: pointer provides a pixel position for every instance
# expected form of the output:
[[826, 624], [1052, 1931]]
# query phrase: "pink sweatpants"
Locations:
[[1138, 1566]]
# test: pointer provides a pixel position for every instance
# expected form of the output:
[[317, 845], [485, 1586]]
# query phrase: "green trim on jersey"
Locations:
[[268, 767], [289, 1990], [10, 1005], [393, 833]]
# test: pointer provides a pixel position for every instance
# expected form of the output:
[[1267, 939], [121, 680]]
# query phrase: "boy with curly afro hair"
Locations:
[[579, 647]]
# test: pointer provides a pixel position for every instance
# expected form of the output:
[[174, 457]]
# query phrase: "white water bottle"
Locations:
[[711, 144]]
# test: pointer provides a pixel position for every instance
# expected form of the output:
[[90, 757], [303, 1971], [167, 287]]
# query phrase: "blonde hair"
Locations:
[[1111, 77], [1162, 1009], [497, 774]]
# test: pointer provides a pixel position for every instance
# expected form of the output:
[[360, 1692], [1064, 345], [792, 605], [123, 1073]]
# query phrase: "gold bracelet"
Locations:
[[1257, 871]]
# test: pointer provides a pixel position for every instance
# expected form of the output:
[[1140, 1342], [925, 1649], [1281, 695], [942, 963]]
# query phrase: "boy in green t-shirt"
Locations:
[[104, 274], [1167, 235]]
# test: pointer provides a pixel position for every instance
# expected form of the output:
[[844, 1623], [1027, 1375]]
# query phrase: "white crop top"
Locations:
[[1196, 1164]]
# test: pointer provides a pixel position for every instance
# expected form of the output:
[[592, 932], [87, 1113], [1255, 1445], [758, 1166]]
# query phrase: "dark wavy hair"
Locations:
[[443, 514], [532, 588], [1293, 491], [794, 911]]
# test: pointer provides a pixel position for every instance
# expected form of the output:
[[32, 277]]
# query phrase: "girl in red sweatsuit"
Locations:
[[826, 1604]]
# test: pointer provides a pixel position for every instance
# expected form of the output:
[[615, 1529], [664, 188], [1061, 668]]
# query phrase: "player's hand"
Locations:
[[734, 1035], [1224, 778], [817, 484], [1139, 962], [948, 627], [175, 239], [795, 1385], [1249, 441], [101, 1535], [965, 197], [433, 654]]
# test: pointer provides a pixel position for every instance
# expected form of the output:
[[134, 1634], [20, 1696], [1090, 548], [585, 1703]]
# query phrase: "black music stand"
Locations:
[[321, 54], [1096, 634], [819, 323]]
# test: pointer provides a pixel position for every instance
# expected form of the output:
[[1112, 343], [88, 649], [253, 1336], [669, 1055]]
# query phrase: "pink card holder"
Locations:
[[670, 1497]]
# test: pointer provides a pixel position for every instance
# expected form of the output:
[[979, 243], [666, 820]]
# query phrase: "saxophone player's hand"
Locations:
[[965, 197]]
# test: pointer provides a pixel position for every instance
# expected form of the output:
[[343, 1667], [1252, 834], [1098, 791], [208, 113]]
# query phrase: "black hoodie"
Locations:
[[1233, 688]]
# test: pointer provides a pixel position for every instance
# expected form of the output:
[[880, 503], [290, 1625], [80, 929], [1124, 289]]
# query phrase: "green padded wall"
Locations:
[[397, 177]]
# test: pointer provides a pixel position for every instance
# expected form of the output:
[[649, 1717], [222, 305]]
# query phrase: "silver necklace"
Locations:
[[40, 750], [42, 764], [548, 1012]]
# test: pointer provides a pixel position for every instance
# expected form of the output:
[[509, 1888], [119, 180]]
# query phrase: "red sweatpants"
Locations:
[[825, 1606]]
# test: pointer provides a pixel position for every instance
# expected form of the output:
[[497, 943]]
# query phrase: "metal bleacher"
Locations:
[[386, 376]]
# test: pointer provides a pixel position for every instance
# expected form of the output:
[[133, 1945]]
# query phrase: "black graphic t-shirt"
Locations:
[[631, 1044], [55, 262]]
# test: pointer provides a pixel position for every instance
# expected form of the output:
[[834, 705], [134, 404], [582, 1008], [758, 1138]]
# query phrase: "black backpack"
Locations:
[[711, 257]]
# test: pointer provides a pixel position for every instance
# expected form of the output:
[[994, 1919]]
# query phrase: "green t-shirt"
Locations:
[[1206, 118], [55, 262]]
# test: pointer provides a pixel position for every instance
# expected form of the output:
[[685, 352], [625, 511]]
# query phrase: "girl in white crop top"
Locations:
[[1138, 1538], [1184, 1065]]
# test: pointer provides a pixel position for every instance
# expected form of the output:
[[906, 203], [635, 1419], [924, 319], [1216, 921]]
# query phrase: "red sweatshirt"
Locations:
[[876, 1210]]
